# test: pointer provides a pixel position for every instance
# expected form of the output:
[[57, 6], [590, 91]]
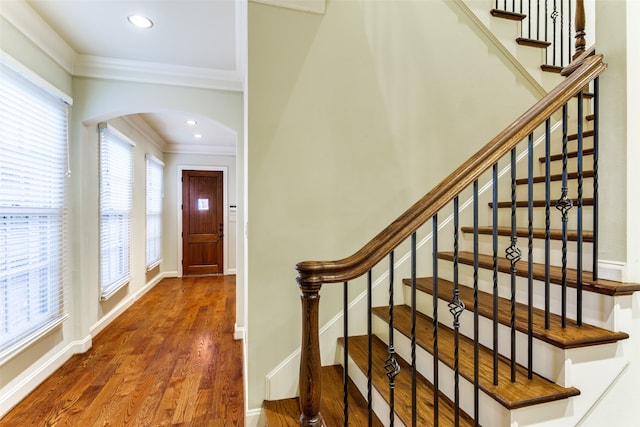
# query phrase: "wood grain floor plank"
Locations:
[[170, 359]]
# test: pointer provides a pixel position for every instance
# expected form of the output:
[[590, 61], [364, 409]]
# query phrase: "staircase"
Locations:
[[498, 320]]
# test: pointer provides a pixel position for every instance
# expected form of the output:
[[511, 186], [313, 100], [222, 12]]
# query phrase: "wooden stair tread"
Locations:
[[555, 177], [541, 44], [540, 203], [512, 395], [286, 412], [551, 68], [601, 286], [585, 134], [505, 14], [538, 233], [570, 155], [358, 350], [573, 336]]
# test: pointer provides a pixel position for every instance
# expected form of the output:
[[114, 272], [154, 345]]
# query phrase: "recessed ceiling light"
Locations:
[[140, 21], [197, 136], [191, 122]]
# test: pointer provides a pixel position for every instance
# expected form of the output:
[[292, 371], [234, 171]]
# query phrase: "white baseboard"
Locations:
[[125, 304], [238, 332], [231, 271], [612, 270], [14, 394], [254, 418]]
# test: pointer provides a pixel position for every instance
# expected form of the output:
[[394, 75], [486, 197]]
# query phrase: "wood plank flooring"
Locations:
[[170, 359]]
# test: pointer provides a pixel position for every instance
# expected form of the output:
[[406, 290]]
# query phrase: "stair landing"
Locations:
[[286, 412]]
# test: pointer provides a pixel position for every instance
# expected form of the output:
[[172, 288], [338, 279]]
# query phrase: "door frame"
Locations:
[[225, 214]]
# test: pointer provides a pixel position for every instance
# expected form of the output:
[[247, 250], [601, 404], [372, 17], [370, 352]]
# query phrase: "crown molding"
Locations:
[[29, 23], [152, 72], [139, 124], [313, 6], [200, 149]]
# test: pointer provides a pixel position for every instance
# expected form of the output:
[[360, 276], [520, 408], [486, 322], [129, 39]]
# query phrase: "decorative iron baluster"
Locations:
[[554, 17], [345, 370], [513, 254], [564, 205], [436, 382], [414, 369], [596, 121], [391, 366], [456, 307], [494, 209], [476, 331], [580, 203], [569, 33], [370, 348], [547, 226], [530, 258], [561, 31]]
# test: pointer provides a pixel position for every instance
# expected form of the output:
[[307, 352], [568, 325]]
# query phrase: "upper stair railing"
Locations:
[[548, 24]]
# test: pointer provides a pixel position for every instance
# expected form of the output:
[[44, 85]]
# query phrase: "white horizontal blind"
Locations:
[[116, 187], [154, 211], [33, 166]]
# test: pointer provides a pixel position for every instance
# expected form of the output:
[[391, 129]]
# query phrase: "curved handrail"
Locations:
[[312, 274]]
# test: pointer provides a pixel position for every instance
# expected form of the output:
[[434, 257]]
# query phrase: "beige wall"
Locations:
[[353, 115]]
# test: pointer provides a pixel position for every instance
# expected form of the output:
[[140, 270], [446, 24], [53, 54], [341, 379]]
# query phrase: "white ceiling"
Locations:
[[190, 38]]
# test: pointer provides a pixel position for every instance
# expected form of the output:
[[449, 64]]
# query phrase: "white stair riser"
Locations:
[[492, 413]]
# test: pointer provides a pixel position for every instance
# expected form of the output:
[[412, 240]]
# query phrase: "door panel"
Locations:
[[202, 223]]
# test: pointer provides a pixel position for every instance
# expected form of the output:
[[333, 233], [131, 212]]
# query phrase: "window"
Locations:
[[116, 184], [33, 169], [154, 211]]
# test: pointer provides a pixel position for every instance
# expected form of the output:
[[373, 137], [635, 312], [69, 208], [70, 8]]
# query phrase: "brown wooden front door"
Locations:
[[202, 223]]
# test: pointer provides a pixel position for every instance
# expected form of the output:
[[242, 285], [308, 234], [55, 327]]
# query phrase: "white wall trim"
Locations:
[[313, 6], [253, 418], [536, 86], [612, 270], [199, 149], [12, 395], [225, 209], [152, 72], [125, 304], [29, 23], [238, 332]]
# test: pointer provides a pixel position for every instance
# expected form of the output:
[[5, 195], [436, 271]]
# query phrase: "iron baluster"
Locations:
[[564, 204], [494, 209], [596, 120], [569, 33], [513, 254], [476, 332], [554, 17], [436, 397], [530, 258], [413, 332], [456, 307], [370, 348], [345, 370], [391, 366], [580, 203], [561, 31], [547, 226]]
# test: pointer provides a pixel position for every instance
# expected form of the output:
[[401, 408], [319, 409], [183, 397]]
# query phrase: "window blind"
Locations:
[[154, 211], [116, 199], [33, 169]]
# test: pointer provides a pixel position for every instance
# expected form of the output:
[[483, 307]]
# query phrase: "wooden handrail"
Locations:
[[312, 274]]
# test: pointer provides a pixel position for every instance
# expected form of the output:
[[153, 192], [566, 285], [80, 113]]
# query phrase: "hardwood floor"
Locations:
[[170, 359]]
